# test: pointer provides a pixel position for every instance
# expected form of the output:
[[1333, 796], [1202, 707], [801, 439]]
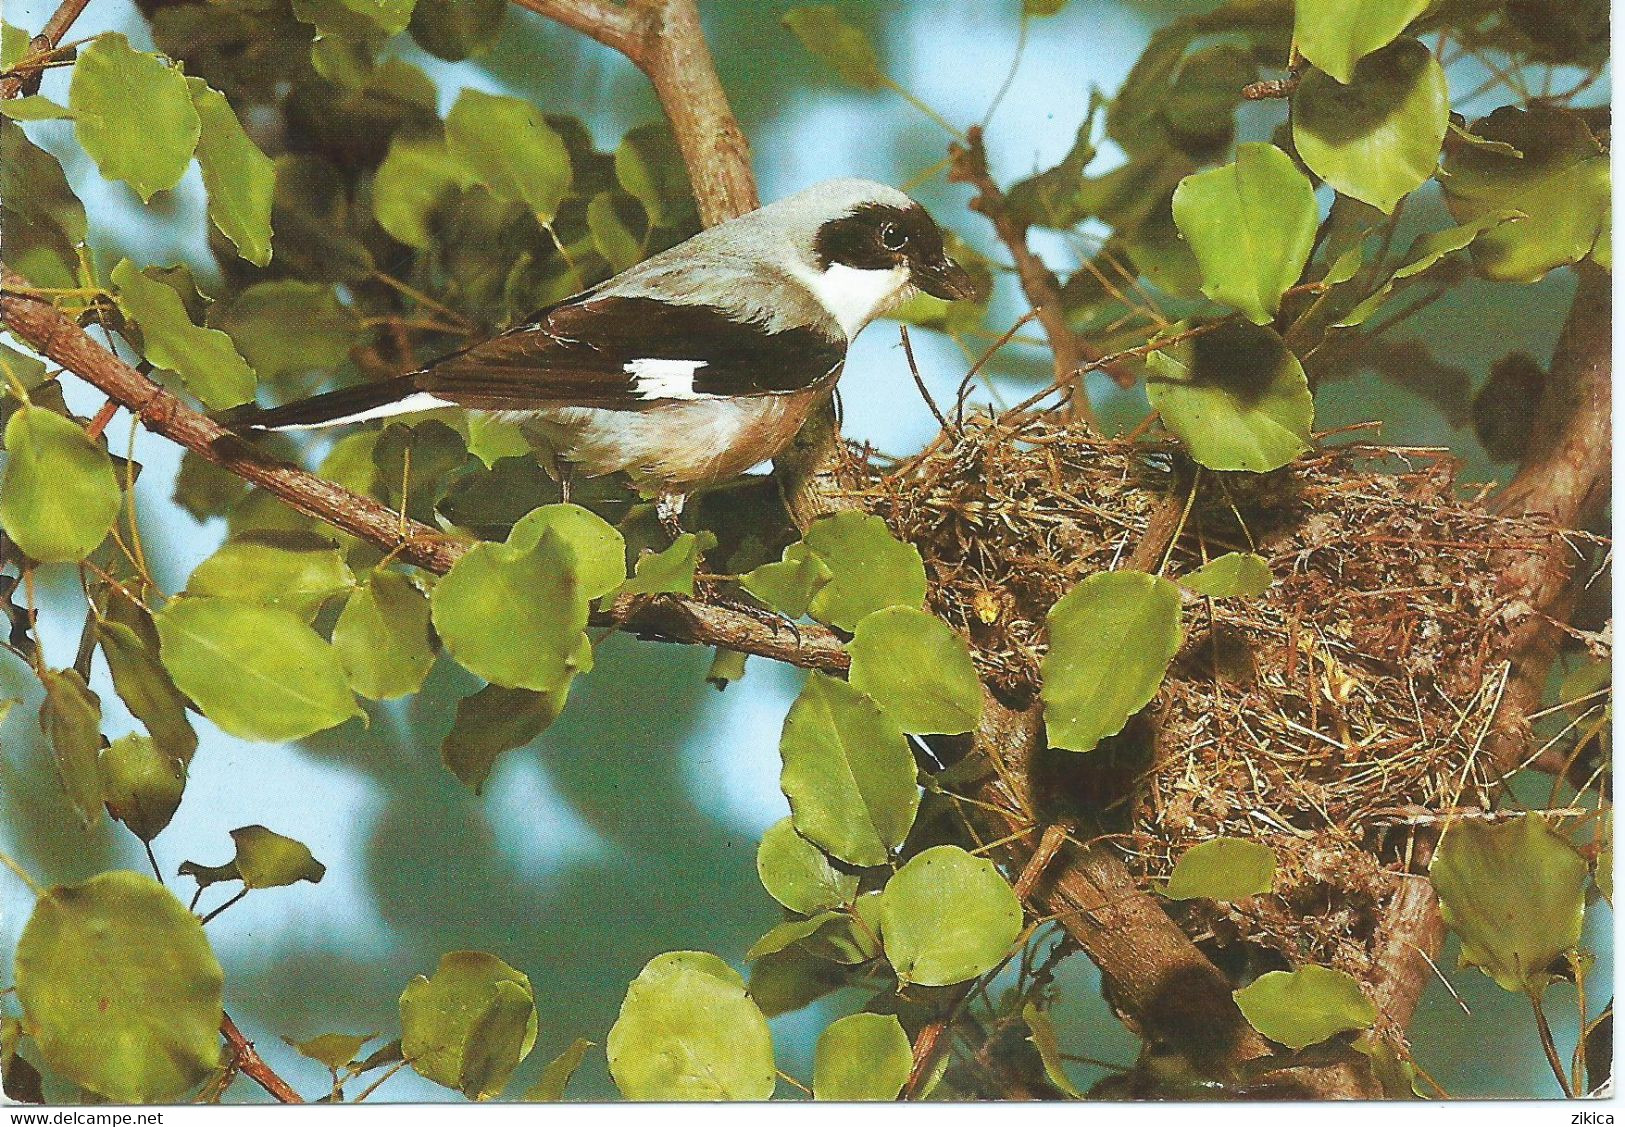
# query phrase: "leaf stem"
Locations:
[[224, 906], [914, 100], [20, 873], [378, 1083], [1549, 1044]]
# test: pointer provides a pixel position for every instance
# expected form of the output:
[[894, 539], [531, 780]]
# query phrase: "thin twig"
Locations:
[[249, 1062]]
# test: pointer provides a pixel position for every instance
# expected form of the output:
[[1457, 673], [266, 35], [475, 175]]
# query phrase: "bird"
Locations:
[[692, 366]]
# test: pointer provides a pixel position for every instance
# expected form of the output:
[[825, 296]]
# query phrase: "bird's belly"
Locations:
[[680, 445]]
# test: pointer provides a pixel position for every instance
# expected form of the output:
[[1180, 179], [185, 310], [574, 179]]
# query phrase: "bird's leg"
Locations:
[[669, 511], [565, 472]]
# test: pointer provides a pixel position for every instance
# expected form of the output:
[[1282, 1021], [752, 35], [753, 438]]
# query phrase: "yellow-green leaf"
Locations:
[[1041, 1032], [1110, 642], [1251, 225], [1225, 868], [918, 670], [470, 1025], [59, 495], [239, 178], [296, 572], [798, 875], [688, 1031], [120, 989], [549, 1088], [267, 859], [382, 637], [71, 719], [947, 917], [133, 114], [1229, 575], [670, 571], [870, 569], [141, 784], [143, 684], [505, 145], [495, 720], [789, 584], [206, 359], [843, 48], [1337, 34], [1306, 1006], [862, 1057]]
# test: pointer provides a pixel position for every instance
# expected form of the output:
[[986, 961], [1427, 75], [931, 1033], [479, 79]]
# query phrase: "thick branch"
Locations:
[[50, 35], [247, 1060], [665, 618]]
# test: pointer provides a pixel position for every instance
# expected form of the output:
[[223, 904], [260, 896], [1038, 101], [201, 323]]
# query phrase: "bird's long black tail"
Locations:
[[346, 405]]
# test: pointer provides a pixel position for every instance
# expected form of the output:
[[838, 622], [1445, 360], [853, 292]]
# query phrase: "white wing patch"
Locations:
[[666, 379]]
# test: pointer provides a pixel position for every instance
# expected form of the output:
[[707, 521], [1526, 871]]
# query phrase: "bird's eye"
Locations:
[[893, 237]]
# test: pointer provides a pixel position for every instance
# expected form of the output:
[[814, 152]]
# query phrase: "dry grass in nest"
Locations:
[[1321, 718]]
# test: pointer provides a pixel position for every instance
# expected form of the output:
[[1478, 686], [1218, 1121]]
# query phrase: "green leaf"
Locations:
[[947, 917], [918, 670], [206, 359], [507, 146], [335, 1050], [240, 179], [1378, 137], [1225, 868], [1236, 396], [470, 1025], [727, 666], [1251, 225], [842, 47], [1041, 1032], [869, 568], [1306, 1006], [611, 235], [862, 1057], [15, 45], [141, 784], [1041, 7], [458, 29], [791, 979], [34, 107], [417, 175], [796, 873], [71, 719], [492, 721], [1230, 575], [287, 327], [688, 1031], [672, 570], [1110, 641], [267, 859], [119, 989], [549, 1088], [382, 637], [355, 19], [1561, 184], [257, 672], [293, 571], [1515, 894], [1426, 252], [514, 613], [790, 933], [133, 114], [43, 220], [1049, 199], [1337, 34], [848, 773], [649, 167], [59, 495], [144, 685], [788, 585]]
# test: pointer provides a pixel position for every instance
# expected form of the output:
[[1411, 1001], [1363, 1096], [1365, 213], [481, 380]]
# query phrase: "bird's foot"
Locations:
[[669, 511]]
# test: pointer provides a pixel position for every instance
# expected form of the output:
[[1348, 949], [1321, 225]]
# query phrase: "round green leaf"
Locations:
[[335, 1050], [1305, 1006], [862, 1057], [869, 568], [946, 917], [1237, 397], [205, 359], [1337, 34], [791, 979], [788, 585], [120, 990], [258, 672], [133, 114], [796, 873], [382, 637], [287, 326], [1251, 225], [495, 720], [294, 572], [918, 670], [649, 167], [267, 859], [417, 175], [842, 47], [790, 933], [1515, 894], [1560, 182], [1226, 868], [1229, 575], [141, 784], [1110, 641], [145, 686], [848, 773], [470, 1025], [1041, 1032], [239, 178], [71, 719], [611, 235], [59, 495], [688, 1031], [1378, 137], [514, 613], [507, 146]]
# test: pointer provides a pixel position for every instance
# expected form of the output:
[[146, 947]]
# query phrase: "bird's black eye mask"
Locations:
[[879, 236]]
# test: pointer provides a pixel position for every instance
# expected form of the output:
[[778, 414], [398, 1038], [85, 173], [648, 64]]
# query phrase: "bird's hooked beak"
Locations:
[[943, 277]]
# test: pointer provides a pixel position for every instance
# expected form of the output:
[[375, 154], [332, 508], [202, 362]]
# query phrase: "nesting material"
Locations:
[[1323, 718]]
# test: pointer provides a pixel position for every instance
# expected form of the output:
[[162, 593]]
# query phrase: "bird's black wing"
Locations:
[[630, 353]]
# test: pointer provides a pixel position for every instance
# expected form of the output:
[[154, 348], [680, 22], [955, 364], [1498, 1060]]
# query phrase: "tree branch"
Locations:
[[247, 1060], [50, 35], [663, 618]]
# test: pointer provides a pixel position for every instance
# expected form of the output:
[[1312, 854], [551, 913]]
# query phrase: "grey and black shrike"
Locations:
[[694, 365]]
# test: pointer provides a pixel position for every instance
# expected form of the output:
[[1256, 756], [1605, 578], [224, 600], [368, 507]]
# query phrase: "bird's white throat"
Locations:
[[855, 297]]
